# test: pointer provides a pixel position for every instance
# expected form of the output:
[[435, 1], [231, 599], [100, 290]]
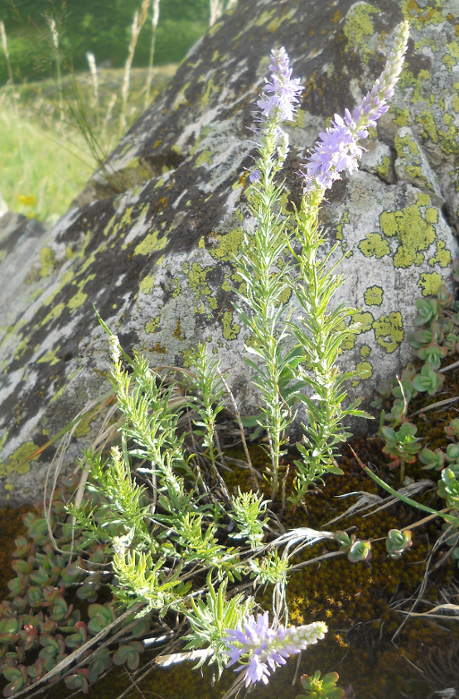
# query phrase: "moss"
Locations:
[[430, 283], [373, 296], [374, 245], [365, 351], [389, 331]]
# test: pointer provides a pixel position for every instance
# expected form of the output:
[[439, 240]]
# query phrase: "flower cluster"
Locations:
[[283, 90], [338, 148], [277, 104], [265, 648]]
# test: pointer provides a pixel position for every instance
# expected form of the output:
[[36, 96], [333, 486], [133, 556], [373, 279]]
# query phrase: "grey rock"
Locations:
[[150, 240]]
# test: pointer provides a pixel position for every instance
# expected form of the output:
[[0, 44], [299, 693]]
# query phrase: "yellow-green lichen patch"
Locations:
[[374, 245], [410, 160], [77, 300], [21, 348], [363, 320], [358, 25], [264, 18], [442, 257], [197, 280], [419, 16], [365, 351], [389, 331], [49, 357], [456, 98], [412, 230], [54, 313], [230, 330], [84, 426], [402, 117], [420, 83], [152, 326], [229, 245], [383, 168], [16, 460], [349, 339], [204, 157], [373, 296], [427, 121], [48, 261], [147, 284], [430, 283], [451, 58], [150, 244], [109, 225], [364, 370], [180, 98]]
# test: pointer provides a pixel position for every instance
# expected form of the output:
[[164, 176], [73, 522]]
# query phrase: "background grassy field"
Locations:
[[45, 160], [55, 122]]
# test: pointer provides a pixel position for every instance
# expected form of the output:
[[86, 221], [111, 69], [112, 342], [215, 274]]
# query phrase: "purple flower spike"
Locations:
[[282, 89], [265, 648], [338, 148]]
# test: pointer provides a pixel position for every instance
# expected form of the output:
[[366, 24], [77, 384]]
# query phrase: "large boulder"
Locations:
[[151, 239]]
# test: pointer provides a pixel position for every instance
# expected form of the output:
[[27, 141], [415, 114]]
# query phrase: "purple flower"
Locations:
[[338, 148], [262, 646], [283, 91], [254, 176]]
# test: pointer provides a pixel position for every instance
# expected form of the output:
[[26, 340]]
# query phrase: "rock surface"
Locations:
[[151, 239]]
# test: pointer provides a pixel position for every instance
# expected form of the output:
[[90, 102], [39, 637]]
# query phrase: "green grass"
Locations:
[[45, 159], [100, 27]]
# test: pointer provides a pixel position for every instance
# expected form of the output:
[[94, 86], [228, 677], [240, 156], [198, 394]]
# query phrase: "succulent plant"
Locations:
[[317, 688], [428, 311], [356, 549], [452, 430], [397, 542], [428, 380], [38, 625]]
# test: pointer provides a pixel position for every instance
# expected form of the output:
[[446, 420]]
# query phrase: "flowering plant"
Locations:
[[264, 647], [160, 502]]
